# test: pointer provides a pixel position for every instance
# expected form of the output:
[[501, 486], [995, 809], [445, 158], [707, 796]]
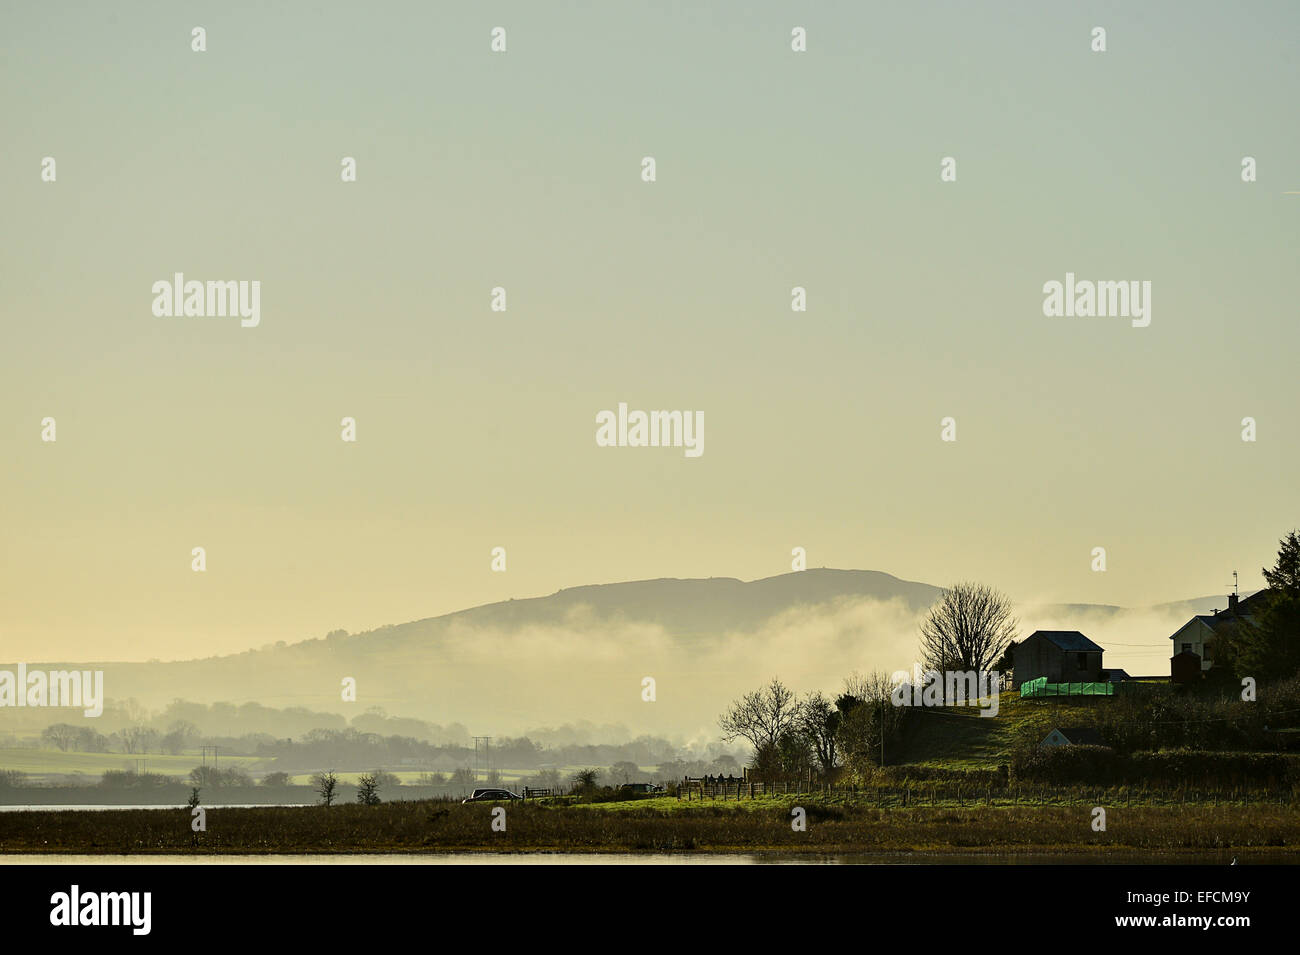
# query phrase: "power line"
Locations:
[[1112, 643]]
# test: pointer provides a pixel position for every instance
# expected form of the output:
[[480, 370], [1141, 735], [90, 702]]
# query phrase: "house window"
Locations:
[[1187, 648]]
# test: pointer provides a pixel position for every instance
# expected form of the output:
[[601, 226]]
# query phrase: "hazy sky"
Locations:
[[775, 169]]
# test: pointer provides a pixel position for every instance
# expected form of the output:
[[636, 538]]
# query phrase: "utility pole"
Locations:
[[483, 745], [882, 733]]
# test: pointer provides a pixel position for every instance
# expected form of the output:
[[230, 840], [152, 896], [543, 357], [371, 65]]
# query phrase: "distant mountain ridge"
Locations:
[[685, 606], [1187, 608], [573, 653]]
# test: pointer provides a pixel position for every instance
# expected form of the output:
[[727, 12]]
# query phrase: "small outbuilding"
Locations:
[[1185, 667], [1062, 656], [1072, 736]]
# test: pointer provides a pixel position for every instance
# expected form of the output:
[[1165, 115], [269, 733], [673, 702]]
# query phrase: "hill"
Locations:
[[584, 653]]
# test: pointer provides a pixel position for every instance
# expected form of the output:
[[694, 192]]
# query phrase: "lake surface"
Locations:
[[94, 808], [591, 858]]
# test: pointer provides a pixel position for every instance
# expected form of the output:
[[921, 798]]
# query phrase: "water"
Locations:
[[593, 858], [80, 806]]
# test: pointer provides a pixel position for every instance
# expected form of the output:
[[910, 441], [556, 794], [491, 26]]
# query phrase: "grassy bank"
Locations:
[[632, 827]]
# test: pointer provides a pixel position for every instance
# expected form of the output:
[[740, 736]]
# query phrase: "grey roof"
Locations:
[[1224, 618], [1081, 735], [1067, 639], [1248, 606], [1247, 609]]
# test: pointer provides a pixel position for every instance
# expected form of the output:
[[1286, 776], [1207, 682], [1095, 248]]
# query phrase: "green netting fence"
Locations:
[[1035, 689]]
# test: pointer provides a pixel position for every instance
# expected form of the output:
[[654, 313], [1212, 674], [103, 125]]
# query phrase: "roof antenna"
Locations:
[[1234, 583]]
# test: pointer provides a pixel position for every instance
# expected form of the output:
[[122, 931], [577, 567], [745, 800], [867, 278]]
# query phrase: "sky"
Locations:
[[774, 169]]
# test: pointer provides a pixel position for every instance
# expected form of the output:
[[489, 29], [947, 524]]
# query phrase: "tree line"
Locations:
[[971, 627]]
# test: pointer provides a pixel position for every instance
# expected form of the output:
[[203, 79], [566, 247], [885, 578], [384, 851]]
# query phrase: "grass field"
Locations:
[[955, 738], [952, 738], [959, 738], [42, 763], [510, 778], [641, 827]]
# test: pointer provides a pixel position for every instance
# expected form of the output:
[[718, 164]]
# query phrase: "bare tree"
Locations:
[[622, 771], [968, 629], [179, 735], [547, 779], [817, 723], [868, 721], [138, 739], [464, 777], [91, 741], [874, 687], [368, 790], [62, 735], [761, 717], [325, 785]]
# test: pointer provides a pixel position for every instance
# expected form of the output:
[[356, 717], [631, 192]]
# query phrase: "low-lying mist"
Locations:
[[594, 669]]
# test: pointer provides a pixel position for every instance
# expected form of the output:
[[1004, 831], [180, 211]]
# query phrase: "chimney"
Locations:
[[1232, 603]]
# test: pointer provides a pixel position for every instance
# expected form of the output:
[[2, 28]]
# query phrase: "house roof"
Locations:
[[1067, 639], [1254, 603], [1081, 735], [1215, 621], [1246, 610], [1222, 619]]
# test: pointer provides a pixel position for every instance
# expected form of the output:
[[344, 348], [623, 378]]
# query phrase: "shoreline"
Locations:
[[847, 853]]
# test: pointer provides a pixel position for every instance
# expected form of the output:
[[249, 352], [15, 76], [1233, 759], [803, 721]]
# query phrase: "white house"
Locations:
[[1198, 634]]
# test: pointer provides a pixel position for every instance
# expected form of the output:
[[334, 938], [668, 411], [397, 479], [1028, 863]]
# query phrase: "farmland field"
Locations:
[[42, 763]]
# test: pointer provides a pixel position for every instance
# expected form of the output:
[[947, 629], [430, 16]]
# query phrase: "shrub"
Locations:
[[128, 779], [981, 778], [1211, 769], [1064, 764], [1100, 765], [216, 778]]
